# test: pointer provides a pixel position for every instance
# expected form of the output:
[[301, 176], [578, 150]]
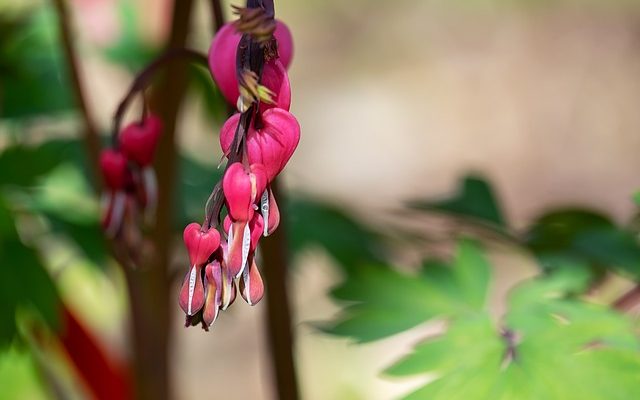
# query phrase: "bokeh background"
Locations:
[[397, 101]]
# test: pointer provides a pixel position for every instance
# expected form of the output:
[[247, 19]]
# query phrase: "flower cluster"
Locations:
[[128, 175], [248, 60]]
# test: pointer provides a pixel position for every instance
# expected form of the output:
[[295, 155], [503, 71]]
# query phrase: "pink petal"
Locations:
[[192, 291], [113, 165], [222, 58], [251, 284], [139, 141], [200, 245], [213, 288]]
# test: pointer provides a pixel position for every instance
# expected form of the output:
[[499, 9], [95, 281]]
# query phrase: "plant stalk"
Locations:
[[90, 134], [275, 262]]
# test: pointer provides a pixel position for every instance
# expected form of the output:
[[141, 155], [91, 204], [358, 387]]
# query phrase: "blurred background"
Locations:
[[397, 101]]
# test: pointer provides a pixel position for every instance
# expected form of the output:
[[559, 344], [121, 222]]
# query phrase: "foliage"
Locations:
[[573, 234], [32, 75], [549, 345]]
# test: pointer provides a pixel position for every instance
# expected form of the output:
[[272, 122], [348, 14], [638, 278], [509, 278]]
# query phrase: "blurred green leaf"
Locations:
[[475, 199], [19, 377], [23, 165], [385, 301], [130, 51], [34, 78], [349, 242], [215, 104], [197, 180], [24, 282], [584, 236]]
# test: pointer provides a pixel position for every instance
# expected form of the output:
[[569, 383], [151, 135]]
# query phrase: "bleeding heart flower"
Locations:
[[270, 212], [138, 141], [113, 165], [192, 291], [272, 145], [213, 292], [228, 288], [241, 187], [200, 244], [251, 284], [222, 62]]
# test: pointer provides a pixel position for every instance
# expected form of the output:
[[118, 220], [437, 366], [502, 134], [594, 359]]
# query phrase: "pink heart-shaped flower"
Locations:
[[241, 187], [200, 245], [139, 141], [222, 61], [113, 165], [272, 145]]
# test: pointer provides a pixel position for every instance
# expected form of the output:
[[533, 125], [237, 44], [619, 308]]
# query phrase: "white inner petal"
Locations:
[[192, 286], [264, 208]]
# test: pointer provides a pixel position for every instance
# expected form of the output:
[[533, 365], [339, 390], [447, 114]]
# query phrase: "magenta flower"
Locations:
[[250, 71], [272, 145], [115, 174], [222, 61], [138, 141], [242, 188], [200, 245]]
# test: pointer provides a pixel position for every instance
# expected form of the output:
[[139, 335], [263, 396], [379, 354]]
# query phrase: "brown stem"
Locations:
[[91, 137], [143, 79], [275, 267], [217, 15], [628, 301], [149, 286]]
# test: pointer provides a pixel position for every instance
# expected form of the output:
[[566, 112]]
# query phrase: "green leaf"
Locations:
[[586, 237], [22, 165], [549, 346], [215, 104], [130, 50], [19, 376], [24, 282], [475, 199], [385, 301], [197, 180], [349, 242], [34, 77]]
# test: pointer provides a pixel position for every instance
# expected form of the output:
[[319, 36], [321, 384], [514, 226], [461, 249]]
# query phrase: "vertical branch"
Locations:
[[217, 16], [91, 138], [149, 287], [275, 264]]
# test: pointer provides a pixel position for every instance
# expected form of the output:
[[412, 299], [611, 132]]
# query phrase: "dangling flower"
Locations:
[[138, 141], [222, 63], [242, 188], [200, 246], [272, 145], [264, 136], [113, 166]]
